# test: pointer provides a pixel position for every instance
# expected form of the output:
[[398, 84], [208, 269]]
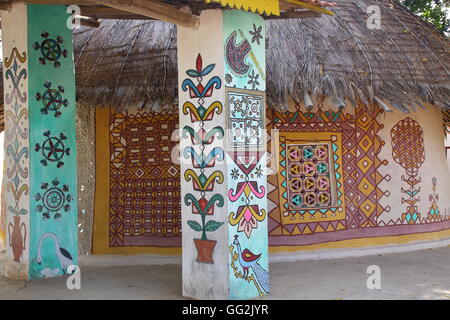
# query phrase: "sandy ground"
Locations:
[[414, 275]]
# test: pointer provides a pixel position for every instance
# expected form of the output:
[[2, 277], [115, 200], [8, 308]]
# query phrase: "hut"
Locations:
[[356, 117]]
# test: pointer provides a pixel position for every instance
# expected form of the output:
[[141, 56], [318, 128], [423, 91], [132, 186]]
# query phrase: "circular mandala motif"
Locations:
[[54, 200], [323, 183]]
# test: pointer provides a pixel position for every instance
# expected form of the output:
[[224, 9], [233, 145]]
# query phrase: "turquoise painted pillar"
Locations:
[[222, 87], [245, 99], [40, 144]]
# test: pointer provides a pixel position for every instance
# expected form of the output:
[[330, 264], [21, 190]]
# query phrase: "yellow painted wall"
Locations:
[[100, 243], [435, 165]]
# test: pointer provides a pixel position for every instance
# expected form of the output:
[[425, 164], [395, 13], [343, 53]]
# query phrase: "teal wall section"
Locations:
[[245, 68], [53, 166]]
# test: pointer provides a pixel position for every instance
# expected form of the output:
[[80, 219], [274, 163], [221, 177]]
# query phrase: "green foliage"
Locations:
[[212, 226], [435, 12], [195, 225]]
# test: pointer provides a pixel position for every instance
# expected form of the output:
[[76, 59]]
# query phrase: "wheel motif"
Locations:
[[54, 200], [50, 49], [53, 149], [52, 99]]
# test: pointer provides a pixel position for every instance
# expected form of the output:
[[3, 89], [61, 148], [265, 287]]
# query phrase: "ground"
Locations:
[[422, 274]]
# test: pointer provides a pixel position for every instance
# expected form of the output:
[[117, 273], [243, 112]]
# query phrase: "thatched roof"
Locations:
[[125, 63]]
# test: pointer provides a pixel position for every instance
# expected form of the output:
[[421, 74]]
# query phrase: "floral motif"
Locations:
[[259, 171], [256, 34], [235, 174], [253, 79]]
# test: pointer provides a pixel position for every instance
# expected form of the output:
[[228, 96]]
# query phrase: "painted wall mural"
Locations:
[[202, 182], [53, 163], [361, 204], [329, 173], [408, 151], [144, 183], [244, 45], [434, 214]]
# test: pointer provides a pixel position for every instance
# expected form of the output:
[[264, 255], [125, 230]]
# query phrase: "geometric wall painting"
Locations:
[[328, 179], [246, 122], [144, 190]]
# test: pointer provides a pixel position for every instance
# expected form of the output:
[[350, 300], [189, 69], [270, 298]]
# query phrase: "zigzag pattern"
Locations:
[[360, 164]]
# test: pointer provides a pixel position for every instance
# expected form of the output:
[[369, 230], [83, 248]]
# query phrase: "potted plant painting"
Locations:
[[17, 232], [205, 247]]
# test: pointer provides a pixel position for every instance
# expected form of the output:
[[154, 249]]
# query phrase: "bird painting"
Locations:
[[64, 257], [248, 260]]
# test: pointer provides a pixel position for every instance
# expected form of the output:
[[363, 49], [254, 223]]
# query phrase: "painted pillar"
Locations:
[[40, 146], [223, 152]]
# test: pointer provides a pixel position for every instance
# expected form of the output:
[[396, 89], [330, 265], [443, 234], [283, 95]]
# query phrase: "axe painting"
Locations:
[[244, 53]]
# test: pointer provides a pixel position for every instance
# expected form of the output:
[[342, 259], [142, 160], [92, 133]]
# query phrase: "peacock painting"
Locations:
[[250, 261]]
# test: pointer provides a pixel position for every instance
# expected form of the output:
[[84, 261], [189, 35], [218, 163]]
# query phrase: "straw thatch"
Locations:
[[126, 63], [133, 62]]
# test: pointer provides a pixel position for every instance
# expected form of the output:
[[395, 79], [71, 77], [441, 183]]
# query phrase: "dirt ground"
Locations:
[[422, 274]]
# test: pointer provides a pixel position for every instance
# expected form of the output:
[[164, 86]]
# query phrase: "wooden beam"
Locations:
[[297, 14], [56, 2], [5, 5], [89, 22], [311, 7], [153, 9], [110, 13]]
